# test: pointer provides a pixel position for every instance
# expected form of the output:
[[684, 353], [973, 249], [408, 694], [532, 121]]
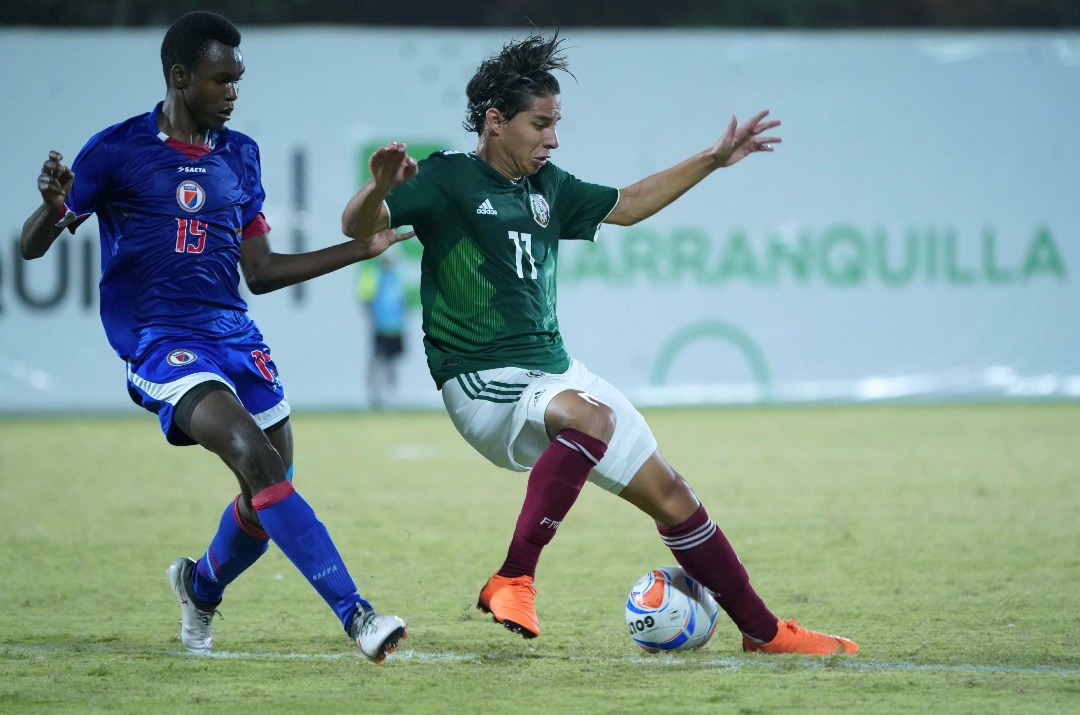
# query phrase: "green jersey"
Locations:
[[491, 245]]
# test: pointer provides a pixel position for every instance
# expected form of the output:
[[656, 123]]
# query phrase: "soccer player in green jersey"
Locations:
[[490, 223]]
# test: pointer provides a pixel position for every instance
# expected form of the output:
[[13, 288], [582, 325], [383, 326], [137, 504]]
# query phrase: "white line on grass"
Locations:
[[729, 663], [843, 662], [399, 655]]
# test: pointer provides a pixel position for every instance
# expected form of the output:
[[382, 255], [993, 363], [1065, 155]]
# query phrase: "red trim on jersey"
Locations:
[[246, 526], [272, 495], [62, 214], [191, 151], [257, 227]]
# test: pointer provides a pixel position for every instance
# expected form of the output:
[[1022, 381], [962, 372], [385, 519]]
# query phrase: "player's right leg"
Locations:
[[170, 380], [570, 431]]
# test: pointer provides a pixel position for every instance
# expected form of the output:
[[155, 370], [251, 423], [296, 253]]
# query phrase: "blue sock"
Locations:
[[236, 546], [293, 526]]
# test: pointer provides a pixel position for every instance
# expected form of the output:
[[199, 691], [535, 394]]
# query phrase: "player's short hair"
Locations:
[[511, 79], [190, 36]]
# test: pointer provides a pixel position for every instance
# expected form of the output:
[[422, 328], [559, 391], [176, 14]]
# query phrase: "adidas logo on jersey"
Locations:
[[486, 209]]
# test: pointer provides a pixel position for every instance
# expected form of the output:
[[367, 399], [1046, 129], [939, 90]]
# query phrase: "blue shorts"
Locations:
[[175, 364]]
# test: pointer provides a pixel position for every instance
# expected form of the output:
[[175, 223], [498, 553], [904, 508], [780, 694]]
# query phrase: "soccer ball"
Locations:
[[667, 610]]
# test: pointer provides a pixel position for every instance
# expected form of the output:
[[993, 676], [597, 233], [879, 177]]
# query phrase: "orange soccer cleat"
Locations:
[[790, 638], [511, 602]]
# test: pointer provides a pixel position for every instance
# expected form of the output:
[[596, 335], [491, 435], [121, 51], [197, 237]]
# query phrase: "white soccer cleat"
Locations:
[[196, 617], [376, 636]]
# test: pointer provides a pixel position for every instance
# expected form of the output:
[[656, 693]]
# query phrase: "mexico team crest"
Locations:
[[190, 196], [179, 358], [540, 211]]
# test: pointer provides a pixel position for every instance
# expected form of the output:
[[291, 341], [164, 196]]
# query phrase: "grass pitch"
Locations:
[[945, 540]]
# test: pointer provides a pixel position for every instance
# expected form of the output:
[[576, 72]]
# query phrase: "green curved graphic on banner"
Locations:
[[712, 330]]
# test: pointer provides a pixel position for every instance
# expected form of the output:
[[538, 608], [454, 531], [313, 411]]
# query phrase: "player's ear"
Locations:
[[494, 120], [180, 77]]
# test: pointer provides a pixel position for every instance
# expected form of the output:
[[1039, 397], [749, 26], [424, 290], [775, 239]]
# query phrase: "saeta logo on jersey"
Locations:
[[190, 196], [540, 210], [179, 358]]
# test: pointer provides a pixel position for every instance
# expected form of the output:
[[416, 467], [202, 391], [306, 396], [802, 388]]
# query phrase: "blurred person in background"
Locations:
[[490, 222], [179, 201], [382, 293]]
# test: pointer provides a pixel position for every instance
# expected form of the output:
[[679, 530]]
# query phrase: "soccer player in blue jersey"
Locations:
[[179, 203], [490, 222]]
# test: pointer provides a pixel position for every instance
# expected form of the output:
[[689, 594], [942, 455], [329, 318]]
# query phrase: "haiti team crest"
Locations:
[[179, 358], [190, 196], [540, 211]]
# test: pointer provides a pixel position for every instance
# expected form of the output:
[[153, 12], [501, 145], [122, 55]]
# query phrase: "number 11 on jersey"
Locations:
[[523, 244]]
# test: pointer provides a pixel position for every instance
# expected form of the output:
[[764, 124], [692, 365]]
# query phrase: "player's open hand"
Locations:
[[54, 181], [377, 243], [391, 165], [739, 142]]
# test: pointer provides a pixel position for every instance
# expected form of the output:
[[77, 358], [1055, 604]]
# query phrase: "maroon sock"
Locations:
[[554, 485], [704, 552]]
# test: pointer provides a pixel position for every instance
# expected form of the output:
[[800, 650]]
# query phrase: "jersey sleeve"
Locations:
[[421, 199], [583, 207], [93, 169], [254, 194]]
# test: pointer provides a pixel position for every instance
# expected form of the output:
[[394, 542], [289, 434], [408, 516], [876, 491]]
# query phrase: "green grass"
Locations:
[[945, 540]]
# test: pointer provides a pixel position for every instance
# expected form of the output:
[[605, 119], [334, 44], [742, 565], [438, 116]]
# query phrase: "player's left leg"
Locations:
[[635, 470], [291, 522], [240, 413], [223, 426], [705, 553], [698, 544]]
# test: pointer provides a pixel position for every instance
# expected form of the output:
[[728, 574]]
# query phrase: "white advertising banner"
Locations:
[[916, 235]]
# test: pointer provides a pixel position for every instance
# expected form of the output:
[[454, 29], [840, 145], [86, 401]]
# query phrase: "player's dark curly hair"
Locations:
[[189, 37], [510, 80]]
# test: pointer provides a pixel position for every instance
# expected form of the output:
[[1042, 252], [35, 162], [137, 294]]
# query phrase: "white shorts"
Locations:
[[501, 414]]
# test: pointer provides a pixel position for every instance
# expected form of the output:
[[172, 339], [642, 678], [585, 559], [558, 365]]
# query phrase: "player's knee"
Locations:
[[582, 412], [596, 420], [665, 496], [677, 500], [253, 458]]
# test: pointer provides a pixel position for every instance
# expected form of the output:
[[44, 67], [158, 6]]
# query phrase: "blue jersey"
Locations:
[[170, 229]]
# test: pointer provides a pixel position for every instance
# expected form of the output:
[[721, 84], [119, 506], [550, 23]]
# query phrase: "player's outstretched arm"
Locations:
[[365, 213], [266, 271], [641, 200], [39, 230]]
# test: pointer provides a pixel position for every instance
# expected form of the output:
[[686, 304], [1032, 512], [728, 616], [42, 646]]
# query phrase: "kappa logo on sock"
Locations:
[[325, 572]]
